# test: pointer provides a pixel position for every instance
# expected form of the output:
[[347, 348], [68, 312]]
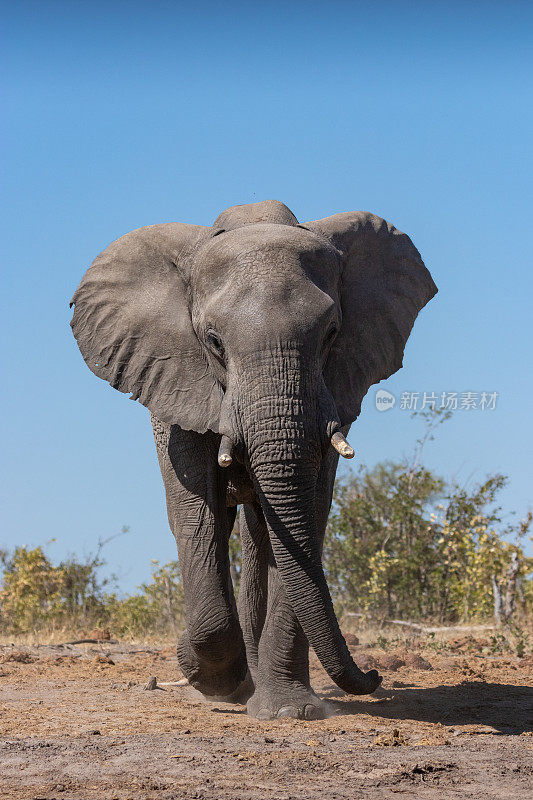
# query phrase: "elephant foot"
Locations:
[[241, 694], [214, 679], [295, 702]]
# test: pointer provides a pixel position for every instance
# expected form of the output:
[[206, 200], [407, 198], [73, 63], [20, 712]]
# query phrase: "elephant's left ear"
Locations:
[[384, 285], [133, 325]]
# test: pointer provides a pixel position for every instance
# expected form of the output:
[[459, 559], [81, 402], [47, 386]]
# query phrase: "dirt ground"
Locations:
[[452, 720]]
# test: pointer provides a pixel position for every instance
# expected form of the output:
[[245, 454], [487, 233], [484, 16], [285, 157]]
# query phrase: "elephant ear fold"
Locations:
[[132, 324], [384, 284]]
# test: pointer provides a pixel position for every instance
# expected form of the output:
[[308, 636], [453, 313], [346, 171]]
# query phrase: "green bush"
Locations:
[[35, 595], [159, 608], [401, 542]]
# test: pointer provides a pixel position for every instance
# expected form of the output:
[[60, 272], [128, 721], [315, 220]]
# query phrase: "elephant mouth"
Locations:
[[326, 427]]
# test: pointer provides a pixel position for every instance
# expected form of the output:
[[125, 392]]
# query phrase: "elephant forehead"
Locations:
[[262, 295], [267, 255], [252, 316]]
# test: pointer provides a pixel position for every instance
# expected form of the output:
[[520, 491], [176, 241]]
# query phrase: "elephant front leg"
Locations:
[[211, 651], [282, 687]]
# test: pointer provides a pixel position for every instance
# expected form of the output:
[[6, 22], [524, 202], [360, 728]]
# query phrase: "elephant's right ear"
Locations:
[[384, 285], [133, 325]]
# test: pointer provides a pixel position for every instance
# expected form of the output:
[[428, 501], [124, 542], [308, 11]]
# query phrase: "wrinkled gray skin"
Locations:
[[269, 333]]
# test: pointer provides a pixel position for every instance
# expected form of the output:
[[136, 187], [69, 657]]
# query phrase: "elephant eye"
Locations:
[[215, 343]]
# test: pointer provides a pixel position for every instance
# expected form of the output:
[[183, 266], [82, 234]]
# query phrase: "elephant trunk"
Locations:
[[285, 444], [288, 503]]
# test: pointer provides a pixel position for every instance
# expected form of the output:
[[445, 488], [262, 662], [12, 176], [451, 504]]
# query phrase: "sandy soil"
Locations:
[[76, 724]]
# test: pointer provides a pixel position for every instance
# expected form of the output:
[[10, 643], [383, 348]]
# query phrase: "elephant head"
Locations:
[[269, 333]]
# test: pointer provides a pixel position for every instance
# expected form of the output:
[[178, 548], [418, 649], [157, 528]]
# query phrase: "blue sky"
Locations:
[[123, 114]]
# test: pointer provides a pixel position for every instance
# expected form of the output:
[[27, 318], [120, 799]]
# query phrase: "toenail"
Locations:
[[311, 712], [288, 711]]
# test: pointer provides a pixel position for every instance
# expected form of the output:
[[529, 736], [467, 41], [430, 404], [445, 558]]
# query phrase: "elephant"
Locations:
[[252, 342]]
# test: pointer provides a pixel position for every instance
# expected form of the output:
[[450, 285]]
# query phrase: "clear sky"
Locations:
[[123, 114]]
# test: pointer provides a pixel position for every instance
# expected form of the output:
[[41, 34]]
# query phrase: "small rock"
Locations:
[[351, 639], [101, 659], [391, 661], [416, 661], [397, 739], [95, 733], [366, 662]]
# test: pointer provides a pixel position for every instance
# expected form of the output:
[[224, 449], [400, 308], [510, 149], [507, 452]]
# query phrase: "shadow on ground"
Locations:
[[506, 708]]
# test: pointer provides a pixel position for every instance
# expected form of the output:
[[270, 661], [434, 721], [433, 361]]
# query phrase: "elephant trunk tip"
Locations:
[[224, 452], [341, 445]]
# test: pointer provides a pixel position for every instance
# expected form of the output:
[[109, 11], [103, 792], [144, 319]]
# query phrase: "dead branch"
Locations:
[[415, 626], [91, 641], [510, 594]]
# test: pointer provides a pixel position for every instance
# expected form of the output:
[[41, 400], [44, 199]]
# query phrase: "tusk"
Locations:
[[341, 445], [224, 452]]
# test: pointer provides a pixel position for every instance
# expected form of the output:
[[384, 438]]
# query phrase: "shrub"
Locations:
[[36, 595], [401, 542]]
